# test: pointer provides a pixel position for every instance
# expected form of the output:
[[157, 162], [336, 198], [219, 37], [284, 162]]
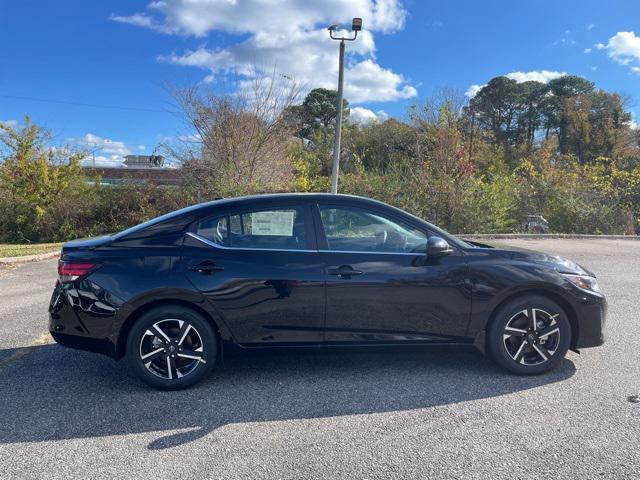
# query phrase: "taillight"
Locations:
[[70, 271]]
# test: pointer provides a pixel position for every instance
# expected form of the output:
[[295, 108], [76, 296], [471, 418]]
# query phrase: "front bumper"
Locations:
[[591, 316]]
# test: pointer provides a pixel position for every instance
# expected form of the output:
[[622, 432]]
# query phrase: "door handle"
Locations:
[[205, 267], [344, 271]]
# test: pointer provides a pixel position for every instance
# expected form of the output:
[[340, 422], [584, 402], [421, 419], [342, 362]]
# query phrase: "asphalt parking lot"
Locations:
[[411, 414]]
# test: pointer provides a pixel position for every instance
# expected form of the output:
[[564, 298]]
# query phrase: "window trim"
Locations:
[[368, 252], [222, 247], [307, 218]]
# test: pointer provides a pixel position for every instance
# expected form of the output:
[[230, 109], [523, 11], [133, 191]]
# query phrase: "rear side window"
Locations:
[[278, 228]]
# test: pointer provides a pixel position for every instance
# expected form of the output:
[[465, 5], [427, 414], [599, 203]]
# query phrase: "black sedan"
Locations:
[[175, 293]]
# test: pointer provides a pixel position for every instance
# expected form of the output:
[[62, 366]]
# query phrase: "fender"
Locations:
[[165, 295], [482, 308]]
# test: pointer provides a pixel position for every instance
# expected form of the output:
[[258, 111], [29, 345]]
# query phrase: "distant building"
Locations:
[[137, 169], [144, 161]]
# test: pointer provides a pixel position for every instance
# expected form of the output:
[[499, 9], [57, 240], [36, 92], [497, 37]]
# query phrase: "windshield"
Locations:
[[452, 239]]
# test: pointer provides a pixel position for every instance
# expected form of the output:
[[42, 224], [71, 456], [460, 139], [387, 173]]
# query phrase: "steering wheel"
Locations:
[[381, 239], [219, 237], [396, 241]]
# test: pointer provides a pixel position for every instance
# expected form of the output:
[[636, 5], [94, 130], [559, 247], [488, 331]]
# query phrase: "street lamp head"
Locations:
[[356, 26]]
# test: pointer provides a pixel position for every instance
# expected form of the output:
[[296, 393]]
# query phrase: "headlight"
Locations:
[[583, 282]]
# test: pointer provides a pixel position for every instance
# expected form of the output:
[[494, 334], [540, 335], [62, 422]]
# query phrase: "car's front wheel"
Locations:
[[529, 335], [171, 347]]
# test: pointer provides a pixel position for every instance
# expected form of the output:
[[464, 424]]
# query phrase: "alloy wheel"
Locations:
[[531, 336], [171, 349]]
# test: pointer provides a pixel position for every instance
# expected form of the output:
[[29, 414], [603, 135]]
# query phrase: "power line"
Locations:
[[81, 104]]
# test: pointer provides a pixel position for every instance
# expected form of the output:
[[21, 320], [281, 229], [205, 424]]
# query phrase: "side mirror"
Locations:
[[437, 247]]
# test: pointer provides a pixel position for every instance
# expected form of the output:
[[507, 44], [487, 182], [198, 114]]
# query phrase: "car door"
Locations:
[[260, 271], [381, 287]]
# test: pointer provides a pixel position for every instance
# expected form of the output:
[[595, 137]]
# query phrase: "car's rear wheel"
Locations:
[[529, 335], [171, 347]]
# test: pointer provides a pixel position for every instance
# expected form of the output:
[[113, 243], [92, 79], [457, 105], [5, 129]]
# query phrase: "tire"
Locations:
[[171, 347], [513, 344]]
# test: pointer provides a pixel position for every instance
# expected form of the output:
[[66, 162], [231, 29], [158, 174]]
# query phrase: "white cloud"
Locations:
[[200, 17], [635, 69], [364, 116], [368, 81], [191, 138], [289, 36], [107, 152], [542, 76], [567, 41], [9, 123], [105, 144], [587, 50], [623, 47], [139, 20], [473, 90], [591, 26]]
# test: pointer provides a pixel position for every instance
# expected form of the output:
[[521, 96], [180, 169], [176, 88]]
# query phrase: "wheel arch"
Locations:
[[125, 329], [542, 292]]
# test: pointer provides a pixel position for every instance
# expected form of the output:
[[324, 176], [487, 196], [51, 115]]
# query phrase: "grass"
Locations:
[[10, 250]]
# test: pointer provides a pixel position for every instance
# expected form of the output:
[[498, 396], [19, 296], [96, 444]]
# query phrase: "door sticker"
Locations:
[[272, 223]]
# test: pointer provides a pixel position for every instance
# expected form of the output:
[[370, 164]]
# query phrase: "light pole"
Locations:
[[356, 26]]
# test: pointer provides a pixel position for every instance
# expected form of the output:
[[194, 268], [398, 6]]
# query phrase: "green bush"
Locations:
[[428, 169]]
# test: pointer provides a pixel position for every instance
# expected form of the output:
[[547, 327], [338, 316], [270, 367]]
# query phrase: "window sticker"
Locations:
[[272, 223]]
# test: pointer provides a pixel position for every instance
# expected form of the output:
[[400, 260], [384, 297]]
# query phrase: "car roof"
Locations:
[[180, 218], [187, 214], [284, 197]]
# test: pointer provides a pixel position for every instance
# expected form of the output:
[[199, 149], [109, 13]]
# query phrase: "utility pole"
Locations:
[[356, 26], [335, 169]]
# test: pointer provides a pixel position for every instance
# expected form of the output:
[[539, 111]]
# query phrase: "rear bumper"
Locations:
[[83, 343], [591, 313], [82, 316]]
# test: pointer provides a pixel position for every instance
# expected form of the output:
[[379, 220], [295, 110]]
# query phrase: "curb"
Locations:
[[544, 236], [28, 258]]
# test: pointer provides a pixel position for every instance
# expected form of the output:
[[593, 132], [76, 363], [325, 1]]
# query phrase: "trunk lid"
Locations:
[[86, 243]]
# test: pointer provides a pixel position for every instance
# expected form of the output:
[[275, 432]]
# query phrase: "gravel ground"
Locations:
[[446, 413]]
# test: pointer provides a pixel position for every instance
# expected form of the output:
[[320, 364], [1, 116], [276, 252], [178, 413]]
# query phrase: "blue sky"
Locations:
[[112, 54]]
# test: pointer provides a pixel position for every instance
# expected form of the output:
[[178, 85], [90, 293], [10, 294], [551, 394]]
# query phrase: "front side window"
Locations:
[[271, 229], [214, 229], [357, 230]]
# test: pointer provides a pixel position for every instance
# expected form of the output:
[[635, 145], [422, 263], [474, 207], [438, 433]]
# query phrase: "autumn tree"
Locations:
[[38, 185], [242, 137]]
